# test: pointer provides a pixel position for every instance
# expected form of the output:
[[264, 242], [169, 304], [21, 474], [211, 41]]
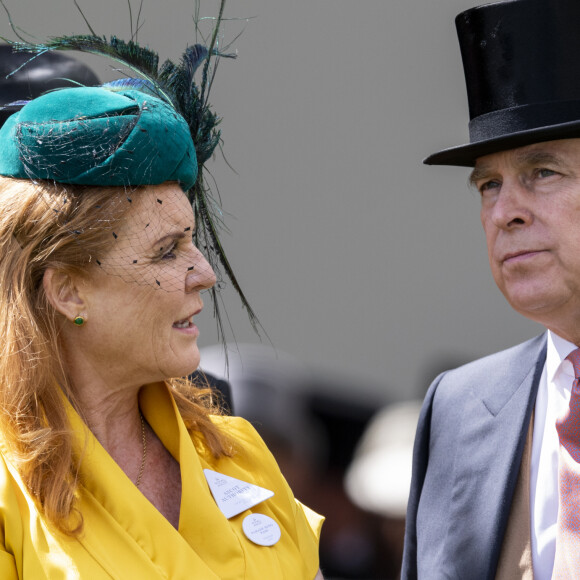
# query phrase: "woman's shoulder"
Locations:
[[242, 433], [249, 452], [253, 462], [232, 422]]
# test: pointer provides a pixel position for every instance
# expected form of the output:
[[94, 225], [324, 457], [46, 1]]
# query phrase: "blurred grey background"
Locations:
[[360, 262]]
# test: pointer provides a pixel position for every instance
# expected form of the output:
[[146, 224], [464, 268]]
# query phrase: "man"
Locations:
[[485, 495]]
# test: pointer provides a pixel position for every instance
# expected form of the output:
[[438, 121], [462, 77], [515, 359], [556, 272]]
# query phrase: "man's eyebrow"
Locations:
[[525, 158], [478, 173]]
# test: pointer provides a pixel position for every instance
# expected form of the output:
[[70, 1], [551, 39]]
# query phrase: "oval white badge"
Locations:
[[261, 529]]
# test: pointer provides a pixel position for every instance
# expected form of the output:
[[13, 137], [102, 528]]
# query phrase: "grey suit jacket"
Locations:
[[467, 455]]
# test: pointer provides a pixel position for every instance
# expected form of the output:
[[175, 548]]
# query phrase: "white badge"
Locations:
[[234, 496], [261, 529]]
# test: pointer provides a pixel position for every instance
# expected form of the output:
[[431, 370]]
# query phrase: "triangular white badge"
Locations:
[[234, 496]]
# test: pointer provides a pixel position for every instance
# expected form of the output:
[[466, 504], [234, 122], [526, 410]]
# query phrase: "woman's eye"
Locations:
[[168, 253]]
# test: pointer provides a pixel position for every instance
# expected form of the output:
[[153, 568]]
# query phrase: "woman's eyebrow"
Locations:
[[168, 237]]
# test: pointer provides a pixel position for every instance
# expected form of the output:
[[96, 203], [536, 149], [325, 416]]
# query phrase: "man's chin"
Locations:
[[537, 306]]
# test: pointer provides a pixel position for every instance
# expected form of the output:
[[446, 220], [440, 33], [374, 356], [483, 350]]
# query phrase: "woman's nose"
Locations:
[[200, 276]]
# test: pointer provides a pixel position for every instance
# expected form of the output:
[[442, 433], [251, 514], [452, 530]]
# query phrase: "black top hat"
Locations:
[[32, 76], [522, 69]]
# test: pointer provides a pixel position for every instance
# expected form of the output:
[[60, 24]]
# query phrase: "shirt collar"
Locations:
[[556, 363]]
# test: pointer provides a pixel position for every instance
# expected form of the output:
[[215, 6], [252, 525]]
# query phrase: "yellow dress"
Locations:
[[126, 538]]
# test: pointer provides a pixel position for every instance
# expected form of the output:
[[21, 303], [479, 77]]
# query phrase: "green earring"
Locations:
[[79, 320]]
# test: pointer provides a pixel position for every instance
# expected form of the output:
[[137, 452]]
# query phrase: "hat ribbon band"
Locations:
[[523, 118]]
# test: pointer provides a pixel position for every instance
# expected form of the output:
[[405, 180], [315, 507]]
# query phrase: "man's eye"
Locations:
[[488, 185], [545, 172]]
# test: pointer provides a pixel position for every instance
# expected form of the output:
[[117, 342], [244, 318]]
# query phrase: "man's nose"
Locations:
[[512, 207]]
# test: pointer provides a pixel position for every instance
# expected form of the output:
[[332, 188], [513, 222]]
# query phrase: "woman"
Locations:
[[109, 466]]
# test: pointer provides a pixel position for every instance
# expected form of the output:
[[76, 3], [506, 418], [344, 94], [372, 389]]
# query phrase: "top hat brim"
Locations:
[[466, 155]]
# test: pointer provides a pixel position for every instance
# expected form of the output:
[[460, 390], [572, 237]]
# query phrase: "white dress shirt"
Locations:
[[551, 403]]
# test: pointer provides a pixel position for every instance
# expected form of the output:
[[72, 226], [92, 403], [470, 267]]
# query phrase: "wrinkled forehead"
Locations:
[[556, 153], [156, 210]]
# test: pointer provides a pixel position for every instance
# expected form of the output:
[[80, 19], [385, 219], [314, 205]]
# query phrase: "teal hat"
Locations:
[[98, 136]]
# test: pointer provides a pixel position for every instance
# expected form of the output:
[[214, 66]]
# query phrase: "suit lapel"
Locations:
[[492, 437]]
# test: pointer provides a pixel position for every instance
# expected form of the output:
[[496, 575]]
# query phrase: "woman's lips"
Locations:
[[186, 324]]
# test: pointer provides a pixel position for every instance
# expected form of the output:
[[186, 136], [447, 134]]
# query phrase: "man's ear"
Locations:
[[64, 292]]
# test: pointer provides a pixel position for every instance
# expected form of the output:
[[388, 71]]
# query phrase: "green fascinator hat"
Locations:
[[98, 136]]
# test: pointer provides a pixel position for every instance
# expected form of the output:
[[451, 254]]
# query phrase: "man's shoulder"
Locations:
[[511, 365], [520, 355]]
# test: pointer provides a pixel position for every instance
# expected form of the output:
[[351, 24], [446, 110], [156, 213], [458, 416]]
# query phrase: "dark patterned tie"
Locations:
[[567, 561]]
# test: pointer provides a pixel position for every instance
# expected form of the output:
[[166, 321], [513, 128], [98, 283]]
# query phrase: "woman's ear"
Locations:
[[64, 292]]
